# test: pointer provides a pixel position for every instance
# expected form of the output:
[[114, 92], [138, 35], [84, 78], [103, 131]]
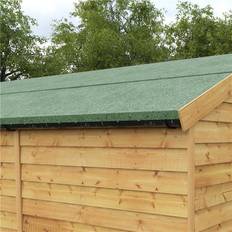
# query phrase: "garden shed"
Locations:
[[144, 148]]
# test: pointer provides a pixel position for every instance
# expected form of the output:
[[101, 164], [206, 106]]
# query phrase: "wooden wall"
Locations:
[[213, 173], [101, 180], [8, 221], [112, 180]]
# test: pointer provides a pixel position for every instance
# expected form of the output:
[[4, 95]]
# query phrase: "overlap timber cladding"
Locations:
[[7, 183], [100, 180], [112, 180], [213, 173]]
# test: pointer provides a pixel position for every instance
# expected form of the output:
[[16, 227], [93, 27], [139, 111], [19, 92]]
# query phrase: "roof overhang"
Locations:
[[144, 123], [201, 106]]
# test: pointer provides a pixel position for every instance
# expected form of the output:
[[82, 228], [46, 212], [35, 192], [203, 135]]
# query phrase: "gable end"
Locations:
[[201, 106]]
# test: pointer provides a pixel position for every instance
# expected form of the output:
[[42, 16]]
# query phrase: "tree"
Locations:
[[223, 36], [197, 32], [18, 45], [111, 33]]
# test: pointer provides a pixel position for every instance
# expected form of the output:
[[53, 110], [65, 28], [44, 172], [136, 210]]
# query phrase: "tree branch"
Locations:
[[10, 73], [16, 76]]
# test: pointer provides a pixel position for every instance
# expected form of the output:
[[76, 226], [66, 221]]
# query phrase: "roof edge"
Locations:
[[89, 119], [175, 123], [201, 106]]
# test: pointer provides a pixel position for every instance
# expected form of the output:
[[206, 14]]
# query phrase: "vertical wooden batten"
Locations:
[[18, 180], [191, 181]]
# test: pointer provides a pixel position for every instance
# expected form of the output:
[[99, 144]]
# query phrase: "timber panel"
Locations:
[[149, 181], [32, 224], [8, 221], [127, 138], [120, 158], [103, 217], [107, 180], [213, 172], [223, 227]]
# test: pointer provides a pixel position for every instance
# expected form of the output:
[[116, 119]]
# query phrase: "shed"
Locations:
[[144, 148]]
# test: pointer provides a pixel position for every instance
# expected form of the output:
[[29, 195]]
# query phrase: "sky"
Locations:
[[45, 11]]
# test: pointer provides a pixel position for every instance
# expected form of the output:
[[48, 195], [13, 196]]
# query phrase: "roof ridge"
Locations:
[[135, 65], [117, 83]]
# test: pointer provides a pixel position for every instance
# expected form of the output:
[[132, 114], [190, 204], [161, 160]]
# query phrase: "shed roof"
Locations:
[[136, 93]]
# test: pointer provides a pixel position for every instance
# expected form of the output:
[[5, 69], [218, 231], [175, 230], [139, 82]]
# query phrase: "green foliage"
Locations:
[[223, 42], [18, 45], [111, 33], [197, 32]]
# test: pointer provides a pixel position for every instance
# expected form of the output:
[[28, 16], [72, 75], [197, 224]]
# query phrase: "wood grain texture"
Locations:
[[207, 197], [103, 217], [213, 200], [6, 138], [7, 187], [133, 137], [7, 171], [8, 220], [7, 230], [151, 181], [7, 154], [191, 181], [17, 153], [209, 154], [200, 107], [8, 204], [145, 202], [100, 179], [122, 158], [221, 114], [213, 216], [214, 174], [229, 99], [222, 227], [32, 224], [212, 132]]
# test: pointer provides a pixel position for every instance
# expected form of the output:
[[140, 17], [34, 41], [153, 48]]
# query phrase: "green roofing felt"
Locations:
[[143, 92]]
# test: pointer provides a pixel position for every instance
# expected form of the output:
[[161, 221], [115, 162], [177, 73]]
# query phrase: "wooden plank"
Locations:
[[208, 154], [211, 132], [207, 197], [8, 220], [7, 171], [7, 230], [151, 181], [212, 175], [191, 182], [145, 202], [213, 216], [229, 100], [7, 187], [222, 227], [143, 159], [7, 204], [7, 154], [6, 138], [18, 181], [32, 224], [126, 137], [200, 107], [103, 217], [223, 113]]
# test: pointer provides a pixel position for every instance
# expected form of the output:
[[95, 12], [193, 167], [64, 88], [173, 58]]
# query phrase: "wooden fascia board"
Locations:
[[201, 106]]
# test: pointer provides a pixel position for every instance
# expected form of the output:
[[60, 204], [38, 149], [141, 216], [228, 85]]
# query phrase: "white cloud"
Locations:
[[219, 6], [45, 11]]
